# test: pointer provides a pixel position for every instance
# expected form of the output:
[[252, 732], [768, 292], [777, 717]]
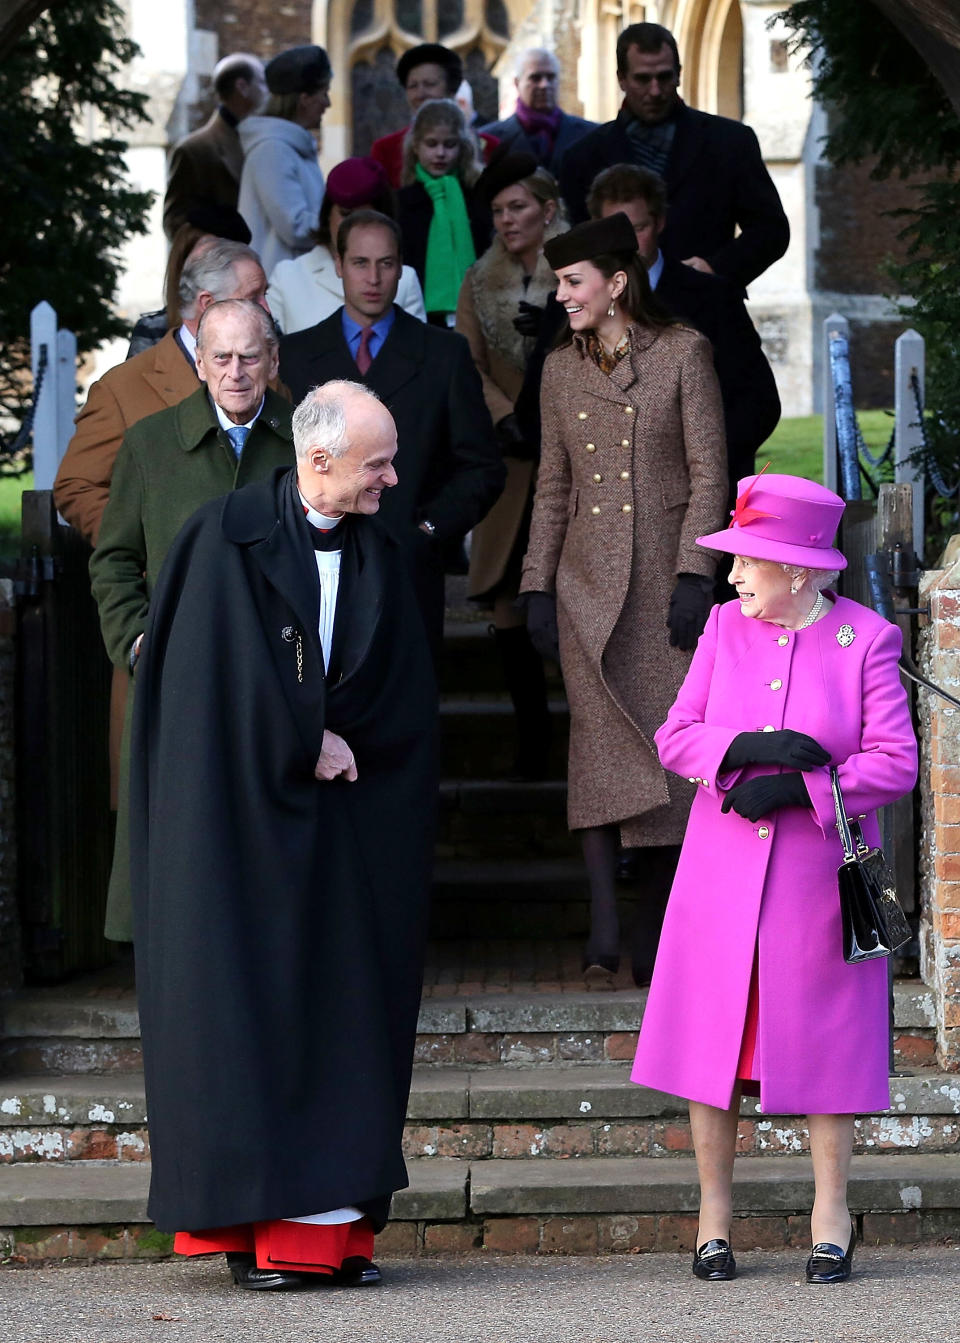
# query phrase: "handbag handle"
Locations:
[[843, 825]]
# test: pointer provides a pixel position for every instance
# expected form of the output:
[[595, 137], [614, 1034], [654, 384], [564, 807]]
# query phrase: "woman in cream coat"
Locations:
[[307, 289]]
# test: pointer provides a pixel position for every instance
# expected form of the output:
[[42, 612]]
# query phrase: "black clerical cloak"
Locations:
[[279, 920]]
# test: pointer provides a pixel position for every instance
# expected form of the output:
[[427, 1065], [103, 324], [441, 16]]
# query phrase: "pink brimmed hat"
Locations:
[[784, 518]]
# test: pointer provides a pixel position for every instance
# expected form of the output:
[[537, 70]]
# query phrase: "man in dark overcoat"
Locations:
[[751, 403], [282, 797], [538, 126], [450, 467], [717, 181], [231, 430]]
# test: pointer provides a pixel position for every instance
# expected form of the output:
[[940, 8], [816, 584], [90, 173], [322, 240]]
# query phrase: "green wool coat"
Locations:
[[168, 466]]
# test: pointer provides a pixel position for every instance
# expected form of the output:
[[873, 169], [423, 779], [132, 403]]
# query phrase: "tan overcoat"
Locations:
[[489, 300], [632, 470]]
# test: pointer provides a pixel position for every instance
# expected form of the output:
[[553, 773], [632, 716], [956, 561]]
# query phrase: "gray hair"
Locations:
[[817, 578], [240, 307], [530, 53], [320, 420], [212, 271]]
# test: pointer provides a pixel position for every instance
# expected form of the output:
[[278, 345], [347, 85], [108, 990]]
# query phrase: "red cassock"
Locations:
[[299, 1247]]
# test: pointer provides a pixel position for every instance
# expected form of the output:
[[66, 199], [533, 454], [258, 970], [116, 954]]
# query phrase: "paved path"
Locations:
[[898, 1296]]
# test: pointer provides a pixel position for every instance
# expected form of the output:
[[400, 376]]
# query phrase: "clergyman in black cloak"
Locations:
[[283, 793]]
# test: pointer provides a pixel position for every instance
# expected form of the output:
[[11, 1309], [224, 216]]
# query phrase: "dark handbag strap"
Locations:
[[852, 840]]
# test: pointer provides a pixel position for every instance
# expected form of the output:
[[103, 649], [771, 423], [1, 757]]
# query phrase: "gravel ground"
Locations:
[[896, 1296]]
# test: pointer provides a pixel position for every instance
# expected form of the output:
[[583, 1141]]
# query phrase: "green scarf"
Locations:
[[449, 243]]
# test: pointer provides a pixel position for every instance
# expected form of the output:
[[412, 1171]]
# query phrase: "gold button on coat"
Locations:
[[624, 442], [763, 832], [628, 410], [595, 510], [627, 508], [783, 641], [775, 685], [597, 478], [591, 447], [624, 475], [581, 414]]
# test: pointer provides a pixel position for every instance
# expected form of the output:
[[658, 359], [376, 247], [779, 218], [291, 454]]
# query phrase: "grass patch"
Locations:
[[795, 447]]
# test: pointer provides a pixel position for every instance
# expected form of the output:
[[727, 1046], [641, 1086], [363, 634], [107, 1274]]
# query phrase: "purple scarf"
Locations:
[[541, 127]]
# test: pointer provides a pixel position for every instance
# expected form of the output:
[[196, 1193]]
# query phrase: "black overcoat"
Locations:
[[279, 920], [717, 181]]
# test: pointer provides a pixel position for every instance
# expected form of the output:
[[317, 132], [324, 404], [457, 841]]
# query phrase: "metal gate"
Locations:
[[64, 822]]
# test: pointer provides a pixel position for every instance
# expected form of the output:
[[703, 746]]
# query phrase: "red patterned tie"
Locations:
[[364, 358]]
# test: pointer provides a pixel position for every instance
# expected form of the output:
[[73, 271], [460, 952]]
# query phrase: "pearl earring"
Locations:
[[612, 310]]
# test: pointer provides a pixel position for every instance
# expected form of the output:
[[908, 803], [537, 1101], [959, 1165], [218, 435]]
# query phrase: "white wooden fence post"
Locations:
[[66, 389], [910, 360], [43, 333], [835, 323]]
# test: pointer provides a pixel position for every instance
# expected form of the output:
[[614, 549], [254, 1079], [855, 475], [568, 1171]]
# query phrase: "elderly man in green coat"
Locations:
[[232, 430]]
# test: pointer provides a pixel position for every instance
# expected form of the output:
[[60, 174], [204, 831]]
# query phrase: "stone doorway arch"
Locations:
[[709, 34], [365, 38]]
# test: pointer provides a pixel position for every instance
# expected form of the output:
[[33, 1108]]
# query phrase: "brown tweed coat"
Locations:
[[632, 470]]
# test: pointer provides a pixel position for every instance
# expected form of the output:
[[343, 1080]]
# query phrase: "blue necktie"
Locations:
[[238, 436]]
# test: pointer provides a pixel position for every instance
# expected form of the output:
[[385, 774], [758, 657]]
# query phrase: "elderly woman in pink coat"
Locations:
[[750, 991]]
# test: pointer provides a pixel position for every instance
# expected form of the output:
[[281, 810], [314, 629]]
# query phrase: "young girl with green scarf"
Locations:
[[445, 226]]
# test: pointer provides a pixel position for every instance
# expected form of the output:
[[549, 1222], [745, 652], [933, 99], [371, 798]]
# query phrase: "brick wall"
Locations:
[[940, 789], [857, 240], [10, 967], [250, 25]]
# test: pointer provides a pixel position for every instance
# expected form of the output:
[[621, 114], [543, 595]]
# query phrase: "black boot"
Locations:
[[527, 686]]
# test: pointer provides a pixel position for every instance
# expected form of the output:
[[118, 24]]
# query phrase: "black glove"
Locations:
[[510, 439], [542, 624], [794, 749], [689, 607], [528, 320], [761, 797]]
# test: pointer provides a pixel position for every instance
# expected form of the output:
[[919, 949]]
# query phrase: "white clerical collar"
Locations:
[[226, 423], [655, 271], [189, 342], [316, 519]]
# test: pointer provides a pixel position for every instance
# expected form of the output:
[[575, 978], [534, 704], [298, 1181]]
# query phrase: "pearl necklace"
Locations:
[[815, 610]]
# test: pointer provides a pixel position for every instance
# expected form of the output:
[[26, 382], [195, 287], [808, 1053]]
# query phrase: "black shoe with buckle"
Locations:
[[828, 1263], [714, 1262], [246, 1274]]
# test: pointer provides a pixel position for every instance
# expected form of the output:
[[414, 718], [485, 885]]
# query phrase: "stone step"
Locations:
[[511, 899], [590, 1206], [78, 1193], [478, 741], [498, 1112], [500, 819], [66, 1030], [470, 663]]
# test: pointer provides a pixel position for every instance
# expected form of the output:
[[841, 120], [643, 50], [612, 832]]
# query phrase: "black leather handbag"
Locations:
[[873, 922]]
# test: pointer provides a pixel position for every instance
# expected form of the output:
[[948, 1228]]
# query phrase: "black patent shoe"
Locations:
[[714, 1262], [828, 1263], [357, 1272], [246, 1274]]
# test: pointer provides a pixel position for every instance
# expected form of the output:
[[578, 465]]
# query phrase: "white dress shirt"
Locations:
[[328, 567]]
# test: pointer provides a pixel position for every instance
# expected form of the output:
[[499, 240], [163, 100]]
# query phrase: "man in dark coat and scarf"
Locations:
[[282, 796]]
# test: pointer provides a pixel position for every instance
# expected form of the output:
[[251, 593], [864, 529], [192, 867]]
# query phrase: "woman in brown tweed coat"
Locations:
[[633, 469]]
